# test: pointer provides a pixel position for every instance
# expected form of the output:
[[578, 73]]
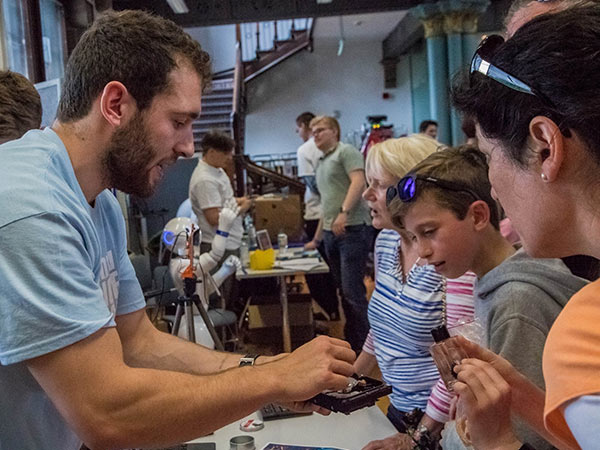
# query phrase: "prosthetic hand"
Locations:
[[231, 265], [227, 216], [228, 268]]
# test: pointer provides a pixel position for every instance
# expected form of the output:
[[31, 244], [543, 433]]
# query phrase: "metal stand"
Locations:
[[185, 304]]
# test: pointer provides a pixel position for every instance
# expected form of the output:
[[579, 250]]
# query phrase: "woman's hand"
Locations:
[[484, 399]]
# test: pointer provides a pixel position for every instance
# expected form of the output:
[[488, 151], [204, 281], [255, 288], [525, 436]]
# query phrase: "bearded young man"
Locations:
[[79, 359]]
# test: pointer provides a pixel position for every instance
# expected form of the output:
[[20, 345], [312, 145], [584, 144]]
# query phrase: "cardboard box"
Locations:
[[276, 213], [264, 320], [265, 311]]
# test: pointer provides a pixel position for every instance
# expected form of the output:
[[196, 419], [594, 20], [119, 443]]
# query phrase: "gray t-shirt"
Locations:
[[333, 182]]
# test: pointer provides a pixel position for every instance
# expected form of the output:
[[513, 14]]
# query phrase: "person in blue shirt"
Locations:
[[79, 359]]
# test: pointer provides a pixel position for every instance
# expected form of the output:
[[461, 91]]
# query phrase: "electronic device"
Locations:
[[263, 240], [272, 411], [361, 392]]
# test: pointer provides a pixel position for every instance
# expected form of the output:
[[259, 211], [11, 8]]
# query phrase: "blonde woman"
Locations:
[[408, 301]]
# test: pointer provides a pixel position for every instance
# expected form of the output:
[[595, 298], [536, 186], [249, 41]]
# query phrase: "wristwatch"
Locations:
[[248, 359], [420, 431], [343, 211]]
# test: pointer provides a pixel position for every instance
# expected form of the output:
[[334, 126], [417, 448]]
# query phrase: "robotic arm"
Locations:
[[175, 238], [227, 216]]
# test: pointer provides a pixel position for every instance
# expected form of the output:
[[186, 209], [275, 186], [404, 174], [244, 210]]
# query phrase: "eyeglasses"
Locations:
[[320, 130], [480, 63], [406, 188]]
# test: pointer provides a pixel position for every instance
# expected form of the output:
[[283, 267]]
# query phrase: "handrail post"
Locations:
[[257, 39], [237, 117]]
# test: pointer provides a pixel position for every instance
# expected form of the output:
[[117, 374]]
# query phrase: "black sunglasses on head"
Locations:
[[480, 63], [406, 188]]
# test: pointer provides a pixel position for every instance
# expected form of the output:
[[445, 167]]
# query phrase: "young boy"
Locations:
[[446, 206]]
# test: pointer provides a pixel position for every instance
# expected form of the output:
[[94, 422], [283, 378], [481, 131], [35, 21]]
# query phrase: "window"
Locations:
[[20, 24], [53, 38], [15, 37]]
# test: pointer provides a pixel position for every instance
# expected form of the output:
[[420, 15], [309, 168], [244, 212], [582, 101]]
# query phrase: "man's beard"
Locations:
[[127, 159]]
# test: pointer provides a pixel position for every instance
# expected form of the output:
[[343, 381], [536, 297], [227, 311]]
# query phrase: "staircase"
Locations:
[[259, 47], [217, 108]]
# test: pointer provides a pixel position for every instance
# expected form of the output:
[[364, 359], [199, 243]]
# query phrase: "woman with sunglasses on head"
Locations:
[[536, 101], [409, 299]]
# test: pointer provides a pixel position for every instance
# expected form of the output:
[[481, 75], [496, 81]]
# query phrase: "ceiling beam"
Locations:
[[408, 31], [220, 12]]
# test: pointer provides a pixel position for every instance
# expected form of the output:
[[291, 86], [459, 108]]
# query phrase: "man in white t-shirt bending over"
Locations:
[[321, 286], [210, 188]]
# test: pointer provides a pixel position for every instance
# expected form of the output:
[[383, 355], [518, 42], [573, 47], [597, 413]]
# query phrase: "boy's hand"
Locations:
[[484, 399], [504, 368]]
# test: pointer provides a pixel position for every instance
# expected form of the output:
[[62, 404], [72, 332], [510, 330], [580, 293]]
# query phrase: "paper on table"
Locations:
[[306, 264]]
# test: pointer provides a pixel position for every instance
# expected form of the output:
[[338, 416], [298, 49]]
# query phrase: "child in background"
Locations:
[[446, 207]]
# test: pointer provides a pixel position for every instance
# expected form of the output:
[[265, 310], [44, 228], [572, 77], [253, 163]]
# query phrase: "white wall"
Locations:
[[219, 42], [323, 83]]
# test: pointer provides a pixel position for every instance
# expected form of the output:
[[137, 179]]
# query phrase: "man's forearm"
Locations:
[[145, 346], [158, 350], [188, 406], [354, 194], [111, 405], [166, 352], [319, 231]]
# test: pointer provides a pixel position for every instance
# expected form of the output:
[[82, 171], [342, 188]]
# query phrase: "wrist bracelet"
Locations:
[[222, 233]]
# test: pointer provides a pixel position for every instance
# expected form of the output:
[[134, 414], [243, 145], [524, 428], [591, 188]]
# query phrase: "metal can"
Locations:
[[282, 243]]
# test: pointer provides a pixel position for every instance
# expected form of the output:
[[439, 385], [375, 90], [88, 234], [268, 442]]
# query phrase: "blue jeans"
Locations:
[[347, 258]]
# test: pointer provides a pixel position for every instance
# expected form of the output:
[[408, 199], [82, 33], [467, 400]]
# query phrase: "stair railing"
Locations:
[[238, 116], [258, 37]]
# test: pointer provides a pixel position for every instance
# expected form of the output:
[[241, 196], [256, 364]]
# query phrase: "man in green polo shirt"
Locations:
[[345, 227]]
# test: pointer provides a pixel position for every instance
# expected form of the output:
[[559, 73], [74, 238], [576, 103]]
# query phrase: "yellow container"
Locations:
[[262, 259]]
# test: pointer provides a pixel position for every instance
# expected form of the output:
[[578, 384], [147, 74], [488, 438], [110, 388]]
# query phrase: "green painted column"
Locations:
[[450, 33], [437, 67], [455, 64], [460, 17], [419, 84]]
